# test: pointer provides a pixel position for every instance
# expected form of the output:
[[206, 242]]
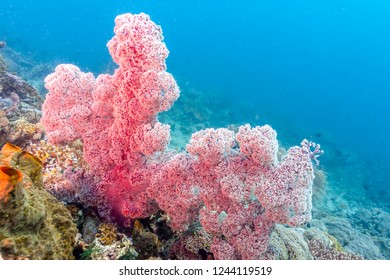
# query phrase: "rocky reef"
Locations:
[[35, 225], [20, 107]]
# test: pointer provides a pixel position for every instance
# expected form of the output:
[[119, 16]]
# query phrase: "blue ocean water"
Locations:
[[311, 69]]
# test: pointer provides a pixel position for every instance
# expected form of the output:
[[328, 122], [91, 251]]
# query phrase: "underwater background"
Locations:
[[311, 69]]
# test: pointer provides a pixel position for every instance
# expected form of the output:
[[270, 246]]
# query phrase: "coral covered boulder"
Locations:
[[33, 224], [18, 97], [20, 111]]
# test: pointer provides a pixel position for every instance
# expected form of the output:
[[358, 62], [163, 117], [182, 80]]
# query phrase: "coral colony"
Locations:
[[233, 184]]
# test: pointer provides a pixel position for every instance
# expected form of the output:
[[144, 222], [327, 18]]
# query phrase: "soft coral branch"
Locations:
[[233, 183]]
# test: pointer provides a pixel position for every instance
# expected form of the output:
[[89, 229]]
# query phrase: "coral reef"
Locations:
[[232, 182], [33, 72], [364, 223], [33, 224], [22, 132], [90, 227], [288, 244], [325, 247], [56, 161], [98, 240], [374, 222], [374, 219], [319, 185], [192, 245], [146, 243], [119, 249], [19, 97], [3, 66], [19, 110], [195, 184], [351, 239], [107, 233], [306, 244]]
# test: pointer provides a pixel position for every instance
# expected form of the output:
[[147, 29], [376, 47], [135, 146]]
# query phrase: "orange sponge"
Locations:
[[9, 177]]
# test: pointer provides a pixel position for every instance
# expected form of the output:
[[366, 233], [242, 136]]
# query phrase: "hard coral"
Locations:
[[120, 249], [190, 246], [146, 243], [107, 233], [288, 244], [19, 110], [18, 98], [22, 131], [56, 160]]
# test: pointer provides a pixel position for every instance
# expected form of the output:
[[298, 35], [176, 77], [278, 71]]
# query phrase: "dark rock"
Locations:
[[90, 227]]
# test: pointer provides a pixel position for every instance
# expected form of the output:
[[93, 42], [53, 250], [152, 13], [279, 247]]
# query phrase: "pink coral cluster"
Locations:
[[67, 106], [115, 115], [233, 183], [238, 188]]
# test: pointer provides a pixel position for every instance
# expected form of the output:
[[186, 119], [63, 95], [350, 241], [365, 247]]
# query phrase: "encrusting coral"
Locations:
[[146, 243], [56, 161], [288, 244], [107, 234], [326, 247], [33, 224], [109, 244], [194, 245]]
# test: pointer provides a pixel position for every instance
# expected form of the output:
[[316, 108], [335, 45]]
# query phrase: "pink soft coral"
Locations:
[[115, 115], [233, 183], [236, 187]]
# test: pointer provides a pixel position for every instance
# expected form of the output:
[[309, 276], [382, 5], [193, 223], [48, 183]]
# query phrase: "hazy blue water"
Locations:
[[308, 67]]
